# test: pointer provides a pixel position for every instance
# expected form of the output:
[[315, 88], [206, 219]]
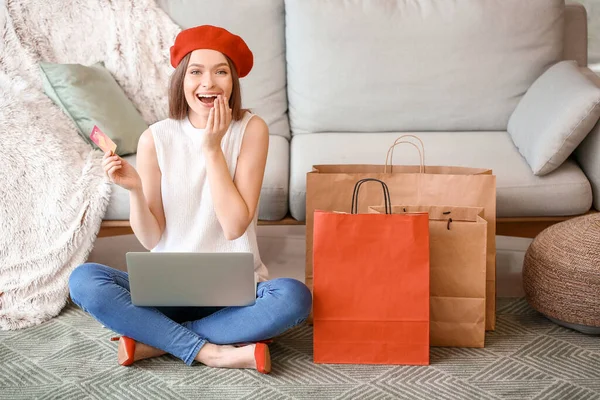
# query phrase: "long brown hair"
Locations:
[[178, 106]]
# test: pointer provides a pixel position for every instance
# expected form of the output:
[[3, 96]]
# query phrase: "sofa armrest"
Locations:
[[588, 152]]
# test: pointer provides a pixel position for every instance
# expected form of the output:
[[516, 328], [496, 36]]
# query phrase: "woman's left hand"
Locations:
[[218, 122]]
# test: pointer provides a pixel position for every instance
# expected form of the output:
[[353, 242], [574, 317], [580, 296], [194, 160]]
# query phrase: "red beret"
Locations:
[[214, 38]]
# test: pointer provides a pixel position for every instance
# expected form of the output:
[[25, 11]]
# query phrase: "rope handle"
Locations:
[[386, 195], [390, 153]]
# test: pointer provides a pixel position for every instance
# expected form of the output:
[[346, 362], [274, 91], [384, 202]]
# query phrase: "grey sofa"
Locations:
[[337, 81]]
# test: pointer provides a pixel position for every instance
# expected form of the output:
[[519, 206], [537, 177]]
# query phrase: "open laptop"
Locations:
[[191, 279]]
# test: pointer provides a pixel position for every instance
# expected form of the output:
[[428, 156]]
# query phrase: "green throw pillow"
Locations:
[[91, 96]]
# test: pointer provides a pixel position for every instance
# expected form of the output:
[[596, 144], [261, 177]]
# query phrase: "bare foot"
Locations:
[[225, 356], [142, 351]]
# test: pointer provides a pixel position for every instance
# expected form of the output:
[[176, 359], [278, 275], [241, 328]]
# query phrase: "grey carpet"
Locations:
[[527, 357]]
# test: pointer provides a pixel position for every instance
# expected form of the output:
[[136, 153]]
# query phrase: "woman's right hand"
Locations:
[[121, 172]]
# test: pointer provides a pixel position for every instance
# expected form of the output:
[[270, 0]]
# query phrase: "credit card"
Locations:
[[104, 142]]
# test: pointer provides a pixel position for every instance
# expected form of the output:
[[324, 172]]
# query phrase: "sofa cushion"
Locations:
[[566, 191], [274, 200], [261, 25], [90, 96], [554, 116], [118, 206], [385, 66], [273, 203]]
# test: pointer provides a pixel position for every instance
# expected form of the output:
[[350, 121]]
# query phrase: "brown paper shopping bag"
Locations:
[[327, 185], [457, 250]]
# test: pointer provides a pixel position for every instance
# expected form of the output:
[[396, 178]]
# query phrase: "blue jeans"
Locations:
[[103, 292]]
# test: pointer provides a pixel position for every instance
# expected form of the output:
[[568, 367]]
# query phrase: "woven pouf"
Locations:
[[561, 273]]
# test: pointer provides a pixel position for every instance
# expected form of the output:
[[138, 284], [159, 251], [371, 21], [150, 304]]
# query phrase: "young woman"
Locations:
[[196, 189]]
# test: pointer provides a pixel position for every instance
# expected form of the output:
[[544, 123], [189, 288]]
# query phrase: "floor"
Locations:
[[527, 357], [282, 249]]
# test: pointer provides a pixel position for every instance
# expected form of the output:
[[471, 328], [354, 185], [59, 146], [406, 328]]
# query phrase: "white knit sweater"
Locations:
[[191, 221]]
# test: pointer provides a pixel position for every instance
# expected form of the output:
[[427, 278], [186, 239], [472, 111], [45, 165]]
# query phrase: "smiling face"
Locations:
[[207, 75], [199, 75]]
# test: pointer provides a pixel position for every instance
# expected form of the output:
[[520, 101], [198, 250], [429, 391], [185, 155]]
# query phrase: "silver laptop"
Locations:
[[191, 279]]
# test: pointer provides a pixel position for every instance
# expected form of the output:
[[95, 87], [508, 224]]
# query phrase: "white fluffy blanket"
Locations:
[[53, 190]]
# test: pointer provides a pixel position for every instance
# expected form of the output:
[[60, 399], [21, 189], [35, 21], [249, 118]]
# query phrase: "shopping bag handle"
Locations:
[[386, 195], [389, 158]]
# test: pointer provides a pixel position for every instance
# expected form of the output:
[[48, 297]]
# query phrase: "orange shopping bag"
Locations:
[[371, 286]]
